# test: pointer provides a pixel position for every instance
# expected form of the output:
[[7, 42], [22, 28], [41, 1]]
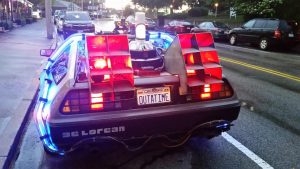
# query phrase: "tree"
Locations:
[[262, 8], [289, 10], [128, 11], [159, 3]]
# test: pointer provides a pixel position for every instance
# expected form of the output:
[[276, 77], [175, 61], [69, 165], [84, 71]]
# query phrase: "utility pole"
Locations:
[[49, 25]]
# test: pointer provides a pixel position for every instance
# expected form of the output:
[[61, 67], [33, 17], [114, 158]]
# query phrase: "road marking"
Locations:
[[3, 123], [274, 72], [260, 162]]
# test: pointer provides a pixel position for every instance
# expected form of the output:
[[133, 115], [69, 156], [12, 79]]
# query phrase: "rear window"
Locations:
[[272, 24], [284, 25], [78, 16]]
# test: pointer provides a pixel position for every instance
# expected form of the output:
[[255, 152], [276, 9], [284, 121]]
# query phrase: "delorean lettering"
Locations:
[[93, 132]]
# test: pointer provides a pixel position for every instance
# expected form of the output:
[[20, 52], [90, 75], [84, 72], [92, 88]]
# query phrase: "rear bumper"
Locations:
[[141, 123], [284, 42]]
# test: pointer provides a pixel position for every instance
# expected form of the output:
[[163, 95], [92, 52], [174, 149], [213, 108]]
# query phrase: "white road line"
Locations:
[[260, 162], [3, 123]]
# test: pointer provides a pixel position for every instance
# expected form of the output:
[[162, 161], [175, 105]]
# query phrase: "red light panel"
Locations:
[[117, 43], [190, 59], [96, 43], [210, 57], [100, 63], [204, 39], [187, 41], [214, 72]]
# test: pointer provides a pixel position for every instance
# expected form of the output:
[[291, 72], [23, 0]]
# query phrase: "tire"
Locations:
[[232, 39], [264, 43]]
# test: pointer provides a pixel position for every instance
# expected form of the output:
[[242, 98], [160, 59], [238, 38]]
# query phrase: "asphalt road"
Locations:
[[266, 134]]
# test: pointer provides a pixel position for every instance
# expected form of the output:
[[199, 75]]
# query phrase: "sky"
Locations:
[[117, 4]]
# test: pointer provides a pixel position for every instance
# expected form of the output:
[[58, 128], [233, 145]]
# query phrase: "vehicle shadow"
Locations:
[[113, 156]]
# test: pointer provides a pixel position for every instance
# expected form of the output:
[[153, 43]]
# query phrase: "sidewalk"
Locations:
[[20, 62]]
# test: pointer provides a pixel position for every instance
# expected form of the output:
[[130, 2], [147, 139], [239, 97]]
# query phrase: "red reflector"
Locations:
[[100, 63], [205, 95]]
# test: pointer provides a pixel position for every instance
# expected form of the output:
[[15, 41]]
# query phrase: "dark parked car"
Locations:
[[150, 24], [265, 32], [178, 27], [76, 22], [219, 30]]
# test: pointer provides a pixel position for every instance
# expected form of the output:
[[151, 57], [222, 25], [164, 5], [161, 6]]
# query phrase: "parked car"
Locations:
[[296, 28], [150, 24], [76, 22], [178, 27], [265, 32], [219, 30], [97, 89]]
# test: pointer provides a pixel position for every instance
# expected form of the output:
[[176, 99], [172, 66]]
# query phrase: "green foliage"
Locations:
[[198, 11], [289, 10], [262, 8], [159, 3], [177, 16]]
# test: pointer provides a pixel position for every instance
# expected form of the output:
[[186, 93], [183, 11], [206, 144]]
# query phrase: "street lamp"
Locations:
[[216, 5], [171, 9]]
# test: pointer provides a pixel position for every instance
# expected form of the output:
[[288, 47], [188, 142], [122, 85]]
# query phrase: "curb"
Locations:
[[26, 105], [18, 123]]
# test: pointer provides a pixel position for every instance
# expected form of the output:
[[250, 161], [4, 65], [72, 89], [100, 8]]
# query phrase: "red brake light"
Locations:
[[277, 34], [100, 63]]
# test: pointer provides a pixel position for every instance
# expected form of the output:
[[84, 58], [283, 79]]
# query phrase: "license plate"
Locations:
[[153, 96], [80, 31], [291, 35]]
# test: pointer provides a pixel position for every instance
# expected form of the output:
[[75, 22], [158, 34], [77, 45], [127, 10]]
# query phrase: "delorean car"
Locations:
[[110, 88]]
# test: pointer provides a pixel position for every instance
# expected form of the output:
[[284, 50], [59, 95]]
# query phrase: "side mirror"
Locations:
[[46, 52], [243, 27]]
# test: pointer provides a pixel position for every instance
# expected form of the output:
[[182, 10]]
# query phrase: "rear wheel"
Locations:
[[264, 43], [232, 39]]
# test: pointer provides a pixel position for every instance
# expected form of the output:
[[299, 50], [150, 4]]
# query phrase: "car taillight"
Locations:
[[203, 69], [110, 70], [210, 92], [277, 34]]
